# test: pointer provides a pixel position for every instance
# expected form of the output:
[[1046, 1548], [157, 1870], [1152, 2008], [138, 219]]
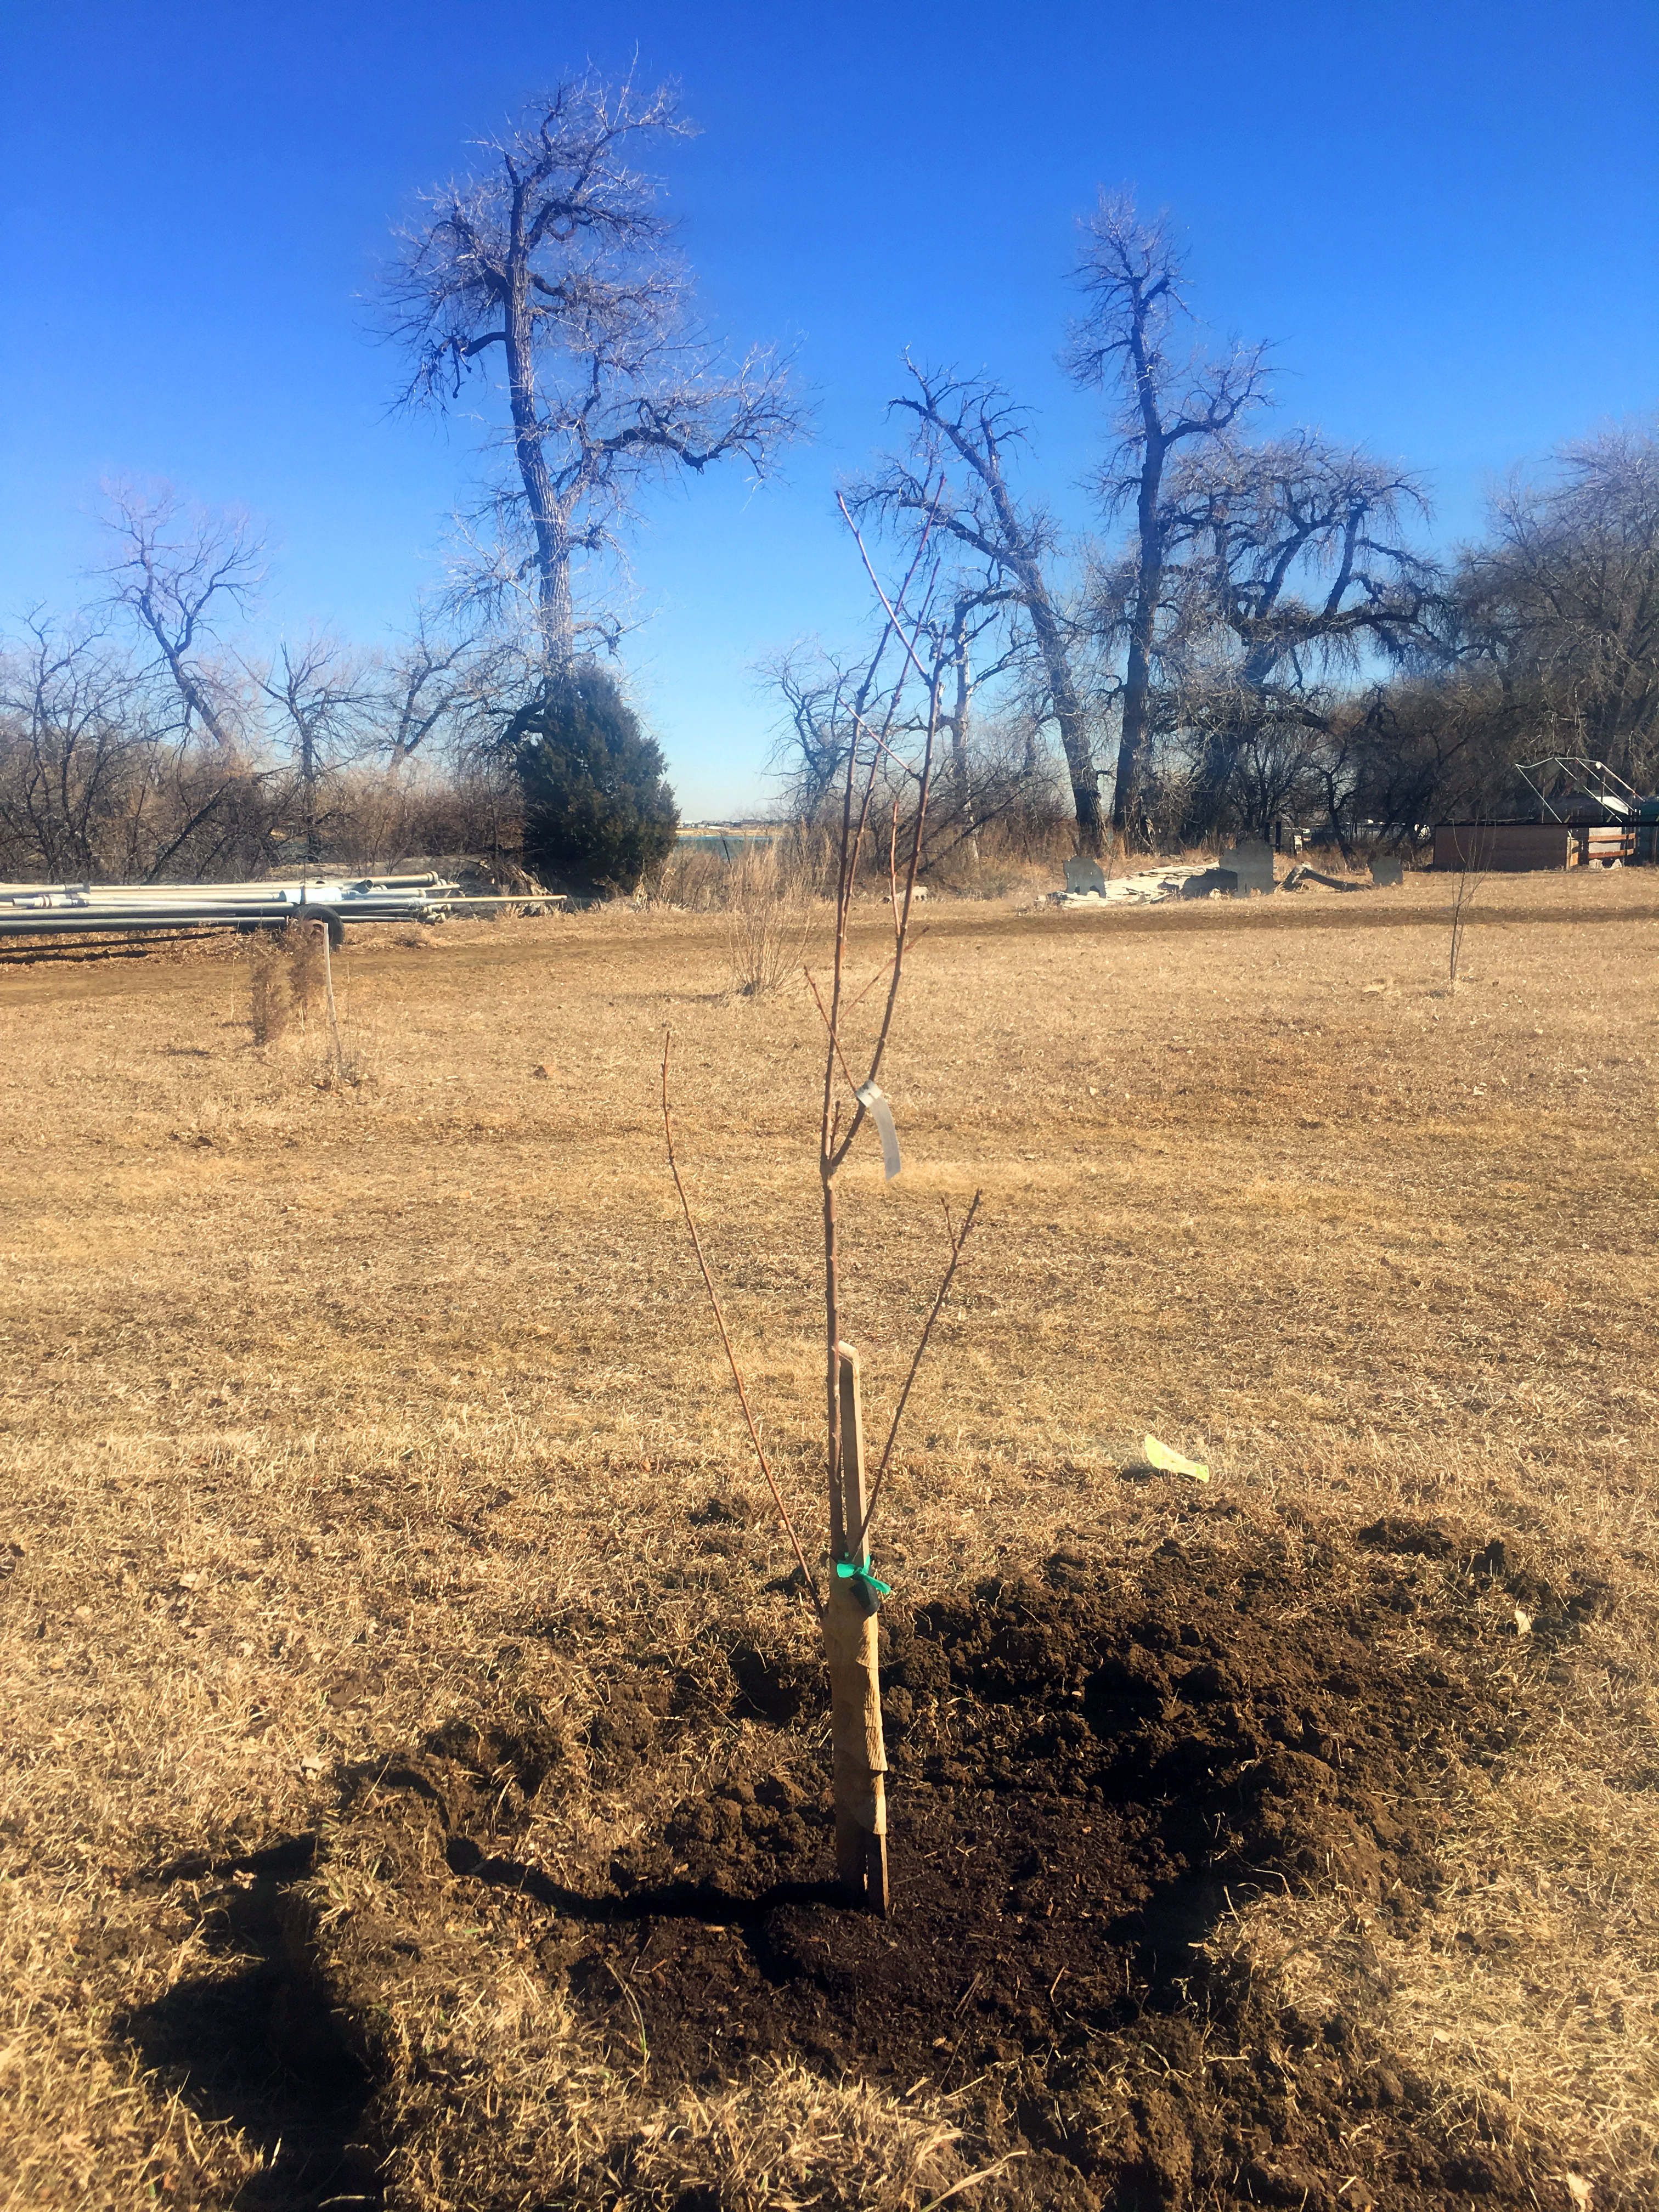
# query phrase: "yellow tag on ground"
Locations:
[[1159, 1454]]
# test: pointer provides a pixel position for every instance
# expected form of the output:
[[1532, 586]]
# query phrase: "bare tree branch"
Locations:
[[965, 429], [178, 572]]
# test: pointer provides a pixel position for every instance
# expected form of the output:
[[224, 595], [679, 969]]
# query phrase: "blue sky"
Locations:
[[1443, 215]]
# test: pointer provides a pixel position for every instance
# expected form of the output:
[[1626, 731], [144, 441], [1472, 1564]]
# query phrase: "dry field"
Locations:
[[393, 1648]]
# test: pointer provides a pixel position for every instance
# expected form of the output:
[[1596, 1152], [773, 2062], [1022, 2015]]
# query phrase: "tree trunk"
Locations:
[[1073, 726], [547, 519], [308, 791], [193, 693], [859, 1757], [558, 613], [1073, 722], [959, 762], [1125, 796], [190, 690], [1137, 676]]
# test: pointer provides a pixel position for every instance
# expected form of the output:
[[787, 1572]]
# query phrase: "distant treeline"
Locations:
[[1296, 662]]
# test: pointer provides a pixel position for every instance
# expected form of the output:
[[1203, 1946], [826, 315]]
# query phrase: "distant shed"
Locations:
[[1520, 846]]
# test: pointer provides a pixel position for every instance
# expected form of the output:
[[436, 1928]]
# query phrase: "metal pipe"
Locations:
[[71, 909]]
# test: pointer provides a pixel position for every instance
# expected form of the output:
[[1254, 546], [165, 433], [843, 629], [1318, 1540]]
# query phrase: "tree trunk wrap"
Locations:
[[861, 1758]]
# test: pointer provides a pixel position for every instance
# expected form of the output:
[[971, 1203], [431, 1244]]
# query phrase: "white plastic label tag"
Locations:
[[874, 1102]]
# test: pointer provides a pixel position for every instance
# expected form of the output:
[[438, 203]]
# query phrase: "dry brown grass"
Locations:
[[768, 913], [317, 1400]]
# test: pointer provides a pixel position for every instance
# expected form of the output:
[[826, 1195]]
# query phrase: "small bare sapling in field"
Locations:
[[1472, 843], [884, 794], [340, 1066], [291, 976]]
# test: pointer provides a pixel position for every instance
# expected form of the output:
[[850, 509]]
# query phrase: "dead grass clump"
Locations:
[[694, 878], [768, 912], [307, 966], [271, 986], [786, 2137], [291, 981]]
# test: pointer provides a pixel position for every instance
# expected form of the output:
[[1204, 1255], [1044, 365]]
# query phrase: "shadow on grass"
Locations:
[[249, 2043]]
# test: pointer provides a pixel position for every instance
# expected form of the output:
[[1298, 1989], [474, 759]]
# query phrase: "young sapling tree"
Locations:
[[888, 772], [1473, 849]]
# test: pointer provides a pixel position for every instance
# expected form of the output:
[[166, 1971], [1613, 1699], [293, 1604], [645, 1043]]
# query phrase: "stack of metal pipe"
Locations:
[[72, 909]]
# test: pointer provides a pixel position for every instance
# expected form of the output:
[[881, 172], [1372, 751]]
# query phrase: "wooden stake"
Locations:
[[849, 1640]]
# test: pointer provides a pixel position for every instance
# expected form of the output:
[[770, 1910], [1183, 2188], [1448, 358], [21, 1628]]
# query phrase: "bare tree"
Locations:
[[1284, 565], [100, 778], [969, 427], [1424, 748], [1296, 545], [445, 692], [1472, 843], [325, 697], [178, 571], [1131, 274], [978, 608], [1548, 633], [810, 754], [1564, 598], [68, 753], [990, 778], [556, 254]]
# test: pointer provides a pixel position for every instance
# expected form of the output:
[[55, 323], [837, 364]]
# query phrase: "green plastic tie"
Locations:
[[848, 1572]]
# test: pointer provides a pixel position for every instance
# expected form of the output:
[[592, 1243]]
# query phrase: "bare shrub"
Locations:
[[1023, 845], [269, 987], [294, 977], [1011, 810], [693, 877], [768, 904], [309, 947]]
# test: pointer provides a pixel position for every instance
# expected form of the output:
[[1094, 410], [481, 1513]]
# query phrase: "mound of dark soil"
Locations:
[[1091, 1769], [1086, 1772]]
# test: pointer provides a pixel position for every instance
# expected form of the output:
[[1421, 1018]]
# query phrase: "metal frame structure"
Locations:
[[1624, 804]]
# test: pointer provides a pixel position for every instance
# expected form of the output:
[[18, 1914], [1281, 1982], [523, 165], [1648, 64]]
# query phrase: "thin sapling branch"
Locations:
[[732, 1358], [958, 1238]]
